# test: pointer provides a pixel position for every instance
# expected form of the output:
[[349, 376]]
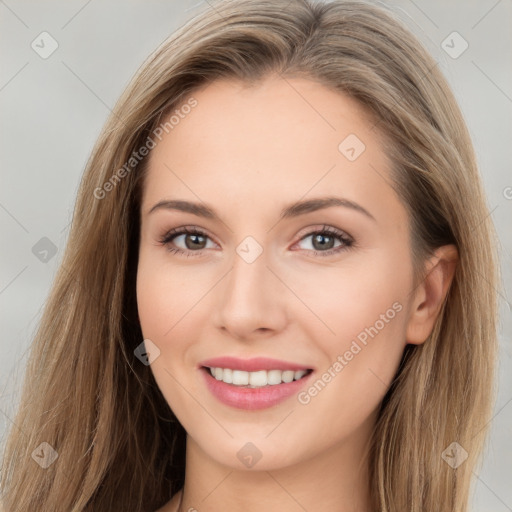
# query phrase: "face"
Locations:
[[324, 290]]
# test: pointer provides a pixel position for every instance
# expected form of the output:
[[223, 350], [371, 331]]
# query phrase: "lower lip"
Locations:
[[252, 398]]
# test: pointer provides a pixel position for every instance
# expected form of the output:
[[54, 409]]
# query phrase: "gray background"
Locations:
[[52, 111]]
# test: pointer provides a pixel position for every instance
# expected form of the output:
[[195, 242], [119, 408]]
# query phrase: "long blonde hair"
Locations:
[[86, 394]]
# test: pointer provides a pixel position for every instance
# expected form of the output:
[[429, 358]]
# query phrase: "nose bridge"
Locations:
[[250, 299], [248, 274]]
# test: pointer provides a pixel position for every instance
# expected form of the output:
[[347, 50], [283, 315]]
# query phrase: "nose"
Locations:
[[251, 300]]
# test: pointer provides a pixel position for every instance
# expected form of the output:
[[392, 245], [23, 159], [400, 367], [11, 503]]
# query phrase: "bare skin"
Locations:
[[248, 153]]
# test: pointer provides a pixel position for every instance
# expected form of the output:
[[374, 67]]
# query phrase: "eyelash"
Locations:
[[347, 241]]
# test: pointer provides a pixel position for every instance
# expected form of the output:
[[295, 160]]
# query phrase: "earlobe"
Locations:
[[431, 293]]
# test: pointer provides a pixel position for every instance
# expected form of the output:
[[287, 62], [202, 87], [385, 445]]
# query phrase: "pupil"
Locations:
[[195, 237], [318, 239]]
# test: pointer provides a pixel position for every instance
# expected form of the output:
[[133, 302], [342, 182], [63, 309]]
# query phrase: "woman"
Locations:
[[325, 338]]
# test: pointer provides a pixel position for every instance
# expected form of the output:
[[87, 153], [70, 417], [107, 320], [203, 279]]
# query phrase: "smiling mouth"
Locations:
[[257, 379]]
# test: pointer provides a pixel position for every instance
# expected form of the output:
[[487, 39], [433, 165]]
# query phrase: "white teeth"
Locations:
[[288, 376], [274, 377], [227, 375], [240, 378], [256, 379]]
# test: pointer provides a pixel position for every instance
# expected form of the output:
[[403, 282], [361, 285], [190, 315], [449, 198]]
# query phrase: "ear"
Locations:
[[430, 294]]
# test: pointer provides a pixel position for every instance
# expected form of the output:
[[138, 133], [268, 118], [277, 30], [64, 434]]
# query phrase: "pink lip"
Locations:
[[252, 365], [252, 398]]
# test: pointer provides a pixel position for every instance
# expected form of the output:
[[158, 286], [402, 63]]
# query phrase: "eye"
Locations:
[[323, 241], [194, 239]]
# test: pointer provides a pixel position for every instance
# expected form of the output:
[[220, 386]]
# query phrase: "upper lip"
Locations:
[[252, 365]]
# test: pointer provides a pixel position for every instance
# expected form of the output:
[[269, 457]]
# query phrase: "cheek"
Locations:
[[165, 294], [165, 302], [359, 327], [344, 301], [173, 306]]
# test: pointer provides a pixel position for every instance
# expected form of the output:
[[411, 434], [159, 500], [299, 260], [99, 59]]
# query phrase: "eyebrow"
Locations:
[[290, 211]]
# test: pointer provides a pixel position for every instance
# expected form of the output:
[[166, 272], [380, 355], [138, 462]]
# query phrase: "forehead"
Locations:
[[277, 141]]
